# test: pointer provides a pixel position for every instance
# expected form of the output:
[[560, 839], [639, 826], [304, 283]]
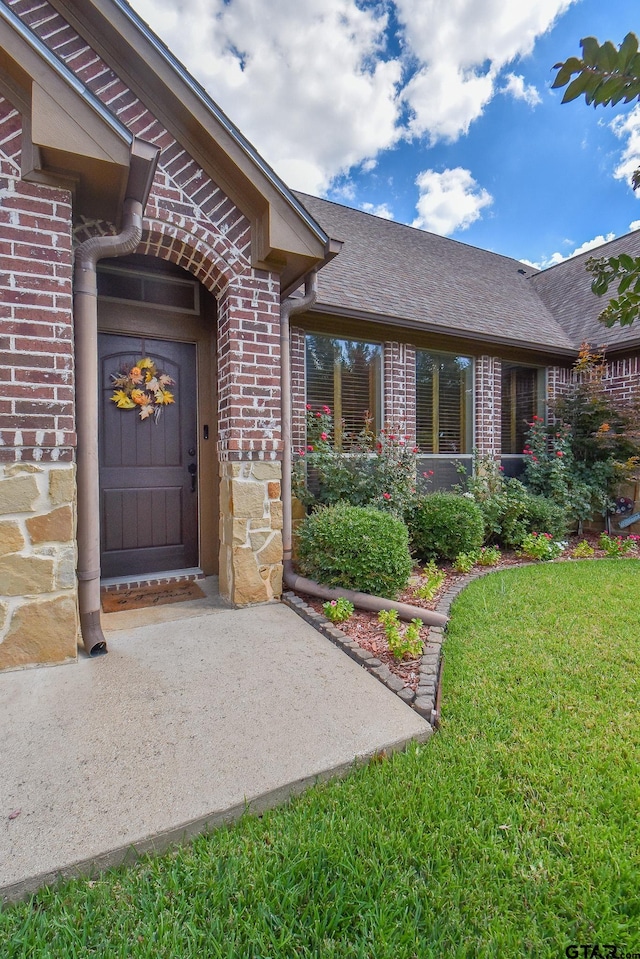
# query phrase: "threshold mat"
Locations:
[[139, 597]]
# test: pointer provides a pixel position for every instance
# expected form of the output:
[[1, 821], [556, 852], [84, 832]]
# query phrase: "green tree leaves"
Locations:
[[607, 75]]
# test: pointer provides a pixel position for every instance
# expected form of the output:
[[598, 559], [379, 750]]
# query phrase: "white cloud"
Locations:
[[309, 86], [315, 89], [628, 125], [381, 209], [634, 225], [556, 258], [462, 46], [519, 90], [449, 201]]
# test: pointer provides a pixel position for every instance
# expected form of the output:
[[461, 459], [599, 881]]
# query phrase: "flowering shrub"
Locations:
[[592, 444], [489, 556], [541, 546], [401, 644], [509, 509], [617, 545], [363, 470], [338, 610]]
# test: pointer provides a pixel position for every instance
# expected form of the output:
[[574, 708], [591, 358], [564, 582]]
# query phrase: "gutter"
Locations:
[[289, 307], [143, 161]]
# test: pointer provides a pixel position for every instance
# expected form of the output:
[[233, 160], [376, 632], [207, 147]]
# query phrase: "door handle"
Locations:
[[193, 470]]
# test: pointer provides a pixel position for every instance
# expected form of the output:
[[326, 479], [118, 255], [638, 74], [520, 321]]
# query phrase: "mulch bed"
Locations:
[[364, 628]]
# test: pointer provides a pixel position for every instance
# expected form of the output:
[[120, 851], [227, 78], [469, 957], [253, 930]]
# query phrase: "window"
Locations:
[[444, 403], [345, 375], [522, 399]]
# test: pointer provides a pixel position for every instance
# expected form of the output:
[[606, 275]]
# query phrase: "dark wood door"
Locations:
[[148, 479]]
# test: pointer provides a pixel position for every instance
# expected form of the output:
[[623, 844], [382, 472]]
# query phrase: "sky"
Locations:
[[435, 113]]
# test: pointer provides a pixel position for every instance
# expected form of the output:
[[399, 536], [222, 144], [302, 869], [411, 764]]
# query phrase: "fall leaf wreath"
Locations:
[[143, 387]]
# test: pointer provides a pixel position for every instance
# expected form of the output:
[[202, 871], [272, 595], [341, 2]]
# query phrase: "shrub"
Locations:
[[401, 644], [540, 546], [583, 550], [434, 578], [616, 545], [355, 547], [338, 610], [445, 524], [489, 556], [363, 469], [545, 515], [464, 562]]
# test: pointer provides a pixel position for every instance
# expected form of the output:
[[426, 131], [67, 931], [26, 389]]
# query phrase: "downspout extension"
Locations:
[[289, 307], [85, 301]]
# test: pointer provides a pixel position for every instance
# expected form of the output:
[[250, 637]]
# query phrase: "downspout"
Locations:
[[289, 307], [85, 305], [142, 166]]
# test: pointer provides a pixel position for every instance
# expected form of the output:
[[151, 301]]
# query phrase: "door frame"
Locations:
[[144, 319]]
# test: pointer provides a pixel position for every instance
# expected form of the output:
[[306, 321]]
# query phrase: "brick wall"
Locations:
[[399, 403], [36, 348], [298, 390], [191, 222]]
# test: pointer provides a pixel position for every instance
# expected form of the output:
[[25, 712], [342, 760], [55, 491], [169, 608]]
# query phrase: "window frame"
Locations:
[[467, 406], [336, 388]]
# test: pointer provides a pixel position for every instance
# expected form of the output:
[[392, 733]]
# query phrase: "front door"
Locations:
[[148, 465]]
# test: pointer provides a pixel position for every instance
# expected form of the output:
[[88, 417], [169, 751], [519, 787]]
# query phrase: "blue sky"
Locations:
[[437, 113]]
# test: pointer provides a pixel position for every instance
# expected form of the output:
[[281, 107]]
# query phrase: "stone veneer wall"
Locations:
[[38, 609], [250, 534]]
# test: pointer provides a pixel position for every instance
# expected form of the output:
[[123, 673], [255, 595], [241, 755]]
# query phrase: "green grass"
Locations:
[[513, 832]]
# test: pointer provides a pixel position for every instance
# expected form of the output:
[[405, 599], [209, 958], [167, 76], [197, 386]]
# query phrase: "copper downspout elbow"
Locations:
[[85, 303]]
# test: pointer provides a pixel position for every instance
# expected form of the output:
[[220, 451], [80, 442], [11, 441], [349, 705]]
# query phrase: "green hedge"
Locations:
[[357, 548], [445, 524]]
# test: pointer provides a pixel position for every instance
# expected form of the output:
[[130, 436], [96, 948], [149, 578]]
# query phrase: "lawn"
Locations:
[[513, 832]]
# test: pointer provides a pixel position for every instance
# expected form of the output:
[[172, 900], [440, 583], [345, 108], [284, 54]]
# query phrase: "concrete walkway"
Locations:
[[196, 712]]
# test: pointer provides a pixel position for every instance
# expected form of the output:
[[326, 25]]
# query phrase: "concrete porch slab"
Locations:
[[195, 714]]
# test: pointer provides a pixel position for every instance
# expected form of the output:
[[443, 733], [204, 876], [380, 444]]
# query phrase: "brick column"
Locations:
[[250, 440], [400, 387], [487, 440]]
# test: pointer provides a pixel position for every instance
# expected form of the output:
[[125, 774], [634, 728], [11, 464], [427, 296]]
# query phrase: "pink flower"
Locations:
[[325, 409], [391, 436], [428, 473], [309, 407], [559, 453], [535, 459], [400, 442], [310, 448], [301, 452], [415, 450], [318, 416], [386, 495], [324, 436], [501, 468]]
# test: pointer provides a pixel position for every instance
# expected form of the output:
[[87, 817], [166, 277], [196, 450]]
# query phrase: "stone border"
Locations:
[[425, 699]]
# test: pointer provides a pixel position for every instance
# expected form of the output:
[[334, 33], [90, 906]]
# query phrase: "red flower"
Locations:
[[309, 407], [535, 459], [559, 453], [415, 450], [310, 448], [324, 436], [325, 409], [386, 495], [501, 468], [318, 416]]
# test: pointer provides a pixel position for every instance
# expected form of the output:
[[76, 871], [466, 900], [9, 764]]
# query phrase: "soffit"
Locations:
[[65, 141]]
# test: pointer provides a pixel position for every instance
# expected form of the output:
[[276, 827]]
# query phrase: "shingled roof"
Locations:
[[395, 273], [389, 272], [566, 291]]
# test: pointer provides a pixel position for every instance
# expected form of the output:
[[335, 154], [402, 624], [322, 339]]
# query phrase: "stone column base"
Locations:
[[250, 532]]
